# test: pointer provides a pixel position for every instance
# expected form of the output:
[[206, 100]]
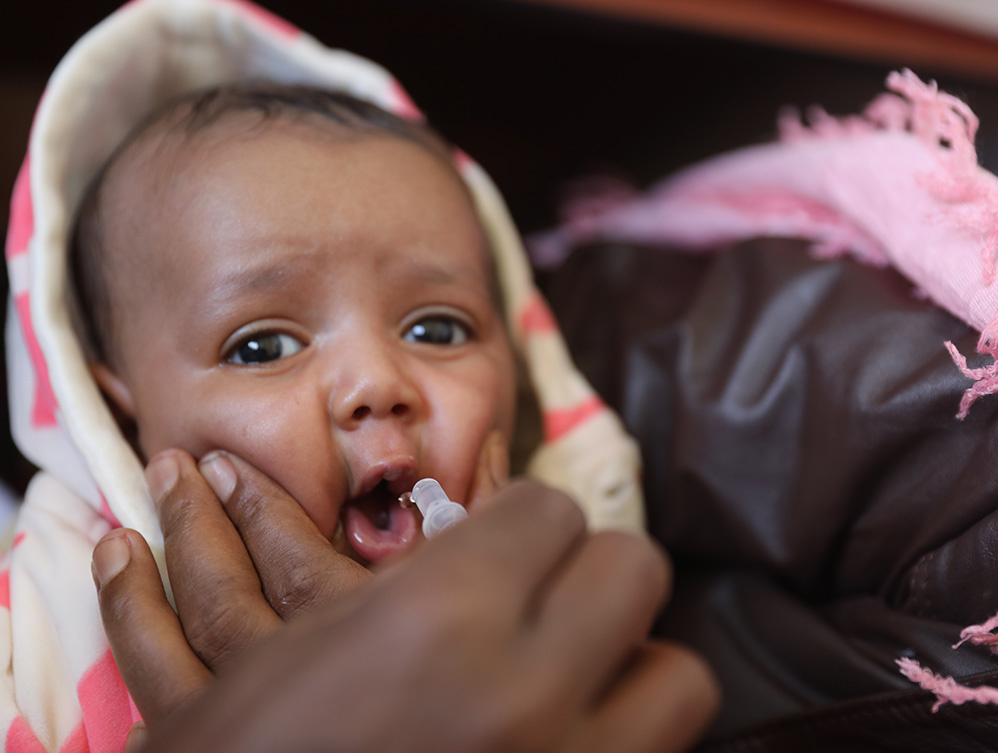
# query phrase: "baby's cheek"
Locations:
[[501, 390], [307, 471], [457, 439], [291, 450]]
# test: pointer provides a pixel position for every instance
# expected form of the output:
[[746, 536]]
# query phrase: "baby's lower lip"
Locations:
[[378, 528]]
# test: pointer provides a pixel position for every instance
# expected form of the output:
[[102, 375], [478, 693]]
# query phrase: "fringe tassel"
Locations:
[[986, 377], [950, 126], [980, 635], [939, 119], [946, 689]]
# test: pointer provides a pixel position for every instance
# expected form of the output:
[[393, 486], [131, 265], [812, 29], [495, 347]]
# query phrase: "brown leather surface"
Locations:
[[803, 466]]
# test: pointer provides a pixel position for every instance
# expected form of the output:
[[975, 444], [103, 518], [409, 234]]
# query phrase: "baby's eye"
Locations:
[[438, 330], [268, 346]]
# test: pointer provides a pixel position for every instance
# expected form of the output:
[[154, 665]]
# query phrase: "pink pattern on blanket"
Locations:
[[558, 423], [21, 215], [536, 317], [403, 105], [44, 405], [20, 739], [5, 588], [77, 741], [108, 711], [107, 514]]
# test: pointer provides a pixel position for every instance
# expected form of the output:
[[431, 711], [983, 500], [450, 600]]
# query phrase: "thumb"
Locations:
[[136, 737]]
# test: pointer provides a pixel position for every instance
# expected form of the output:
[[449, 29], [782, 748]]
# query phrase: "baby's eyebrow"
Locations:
[[431, 274], [258, 277], [284, 271], [261, 278]]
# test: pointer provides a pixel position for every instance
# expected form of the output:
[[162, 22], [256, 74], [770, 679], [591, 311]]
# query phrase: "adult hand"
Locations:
[[236, 572], [513, 631], [242, 556]]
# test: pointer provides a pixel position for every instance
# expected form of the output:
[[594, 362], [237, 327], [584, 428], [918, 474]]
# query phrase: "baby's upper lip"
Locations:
[[399, 473]]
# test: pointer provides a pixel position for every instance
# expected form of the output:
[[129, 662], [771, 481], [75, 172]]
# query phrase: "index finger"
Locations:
[[215, 586], [298, 567]]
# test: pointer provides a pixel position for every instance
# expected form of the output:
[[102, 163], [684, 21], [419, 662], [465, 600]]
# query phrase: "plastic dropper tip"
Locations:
[[439, 512], [427, 492]]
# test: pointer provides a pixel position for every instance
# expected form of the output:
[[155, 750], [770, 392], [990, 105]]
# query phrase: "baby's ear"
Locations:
[[116, 392]]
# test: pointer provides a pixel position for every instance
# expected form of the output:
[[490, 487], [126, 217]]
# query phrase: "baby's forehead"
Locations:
[[154, 165], [166, 166], [163, 148], [252, 109]]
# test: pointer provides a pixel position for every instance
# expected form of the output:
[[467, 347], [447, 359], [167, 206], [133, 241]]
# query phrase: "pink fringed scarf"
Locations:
[[897, 185]]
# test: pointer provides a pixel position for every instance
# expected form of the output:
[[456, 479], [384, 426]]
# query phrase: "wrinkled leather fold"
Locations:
[[826, 512]]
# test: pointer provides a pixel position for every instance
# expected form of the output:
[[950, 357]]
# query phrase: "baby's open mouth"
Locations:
[[377, 526]]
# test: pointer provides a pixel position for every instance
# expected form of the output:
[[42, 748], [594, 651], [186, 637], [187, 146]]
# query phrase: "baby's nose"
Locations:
[[373, 386]]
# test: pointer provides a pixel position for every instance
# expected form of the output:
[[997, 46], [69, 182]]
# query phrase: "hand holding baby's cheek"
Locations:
[[298, 567], [241, 555], [215, 584], [534, 643], [145, 634]]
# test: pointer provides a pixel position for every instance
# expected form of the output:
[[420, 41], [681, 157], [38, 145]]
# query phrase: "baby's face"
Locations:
[[318, 304]]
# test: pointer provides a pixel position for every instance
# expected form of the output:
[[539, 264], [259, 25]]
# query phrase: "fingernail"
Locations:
[[220, 474], [110, 558], [136, 737], [161, 475]]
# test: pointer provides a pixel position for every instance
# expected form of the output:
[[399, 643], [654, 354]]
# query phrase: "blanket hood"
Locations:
[[154, 50]]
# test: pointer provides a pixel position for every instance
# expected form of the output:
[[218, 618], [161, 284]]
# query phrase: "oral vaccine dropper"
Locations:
[[437, 510]]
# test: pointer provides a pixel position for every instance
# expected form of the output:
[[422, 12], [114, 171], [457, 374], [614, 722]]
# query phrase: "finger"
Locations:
[[492, 471], [158, 666], [215, 586], [518, 540], [600, 605], [298, 567], [136, 737], [662, 703]]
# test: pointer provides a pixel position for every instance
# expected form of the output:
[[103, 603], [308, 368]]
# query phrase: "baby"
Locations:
[[298, 275], [301, 279]]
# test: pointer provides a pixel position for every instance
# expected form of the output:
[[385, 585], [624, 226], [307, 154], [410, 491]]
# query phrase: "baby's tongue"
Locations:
[[378, 527]]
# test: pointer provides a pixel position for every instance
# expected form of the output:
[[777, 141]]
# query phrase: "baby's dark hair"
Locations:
[[195, 113]]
